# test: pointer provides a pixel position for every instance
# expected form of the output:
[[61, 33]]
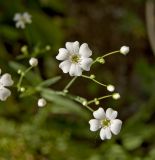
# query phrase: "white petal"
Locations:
[[20, 24], [99, 114], [116, 126], [85, 51], [75, 70], [65, 66], [73, 47], [76, 47], [27, 17], [102, 134], [111, 114], [108, 133], [62, 55], [4, 93], [6, 80], [17, 17], [94, 125], [86, 63]]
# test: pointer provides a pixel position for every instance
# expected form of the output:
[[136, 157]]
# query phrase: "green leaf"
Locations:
[[62, 102], [50, 81]]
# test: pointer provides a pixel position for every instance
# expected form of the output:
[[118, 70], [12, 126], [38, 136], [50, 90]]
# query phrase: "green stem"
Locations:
[[69, 84], [108, 54], [22, 76], [103, 97], [104, 85]]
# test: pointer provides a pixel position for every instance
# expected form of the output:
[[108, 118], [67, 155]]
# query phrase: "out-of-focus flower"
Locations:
[[124, 50], [5, 81], [106, 121], [41, 102], [21, 19], [33, 62], [75, 58]]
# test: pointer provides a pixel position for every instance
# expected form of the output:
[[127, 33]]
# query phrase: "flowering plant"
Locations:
[[75, 60]]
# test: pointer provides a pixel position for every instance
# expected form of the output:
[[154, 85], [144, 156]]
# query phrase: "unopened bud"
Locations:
[[33, 62], [124, 50], [110, 88], [41, 102], [116, 96]]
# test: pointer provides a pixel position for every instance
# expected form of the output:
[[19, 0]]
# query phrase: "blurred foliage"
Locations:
[[60, 131]]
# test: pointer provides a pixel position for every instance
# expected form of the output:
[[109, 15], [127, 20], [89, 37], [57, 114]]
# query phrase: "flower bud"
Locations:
[[48, 47], [24, 50], [124, 50], [92, 76], [110, 88], [33, 62], [41, 102], [22, 89], [116, 96], [84, 103]]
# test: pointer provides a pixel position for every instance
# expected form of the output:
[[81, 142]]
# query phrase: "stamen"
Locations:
[[75, 58], [105, 122]]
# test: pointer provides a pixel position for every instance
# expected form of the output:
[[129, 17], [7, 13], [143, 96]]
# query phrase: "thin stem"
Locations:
[[103, 97], [70, 83], [89, 108], [22, 76], [104, 85], [110, 53], [105, 55]]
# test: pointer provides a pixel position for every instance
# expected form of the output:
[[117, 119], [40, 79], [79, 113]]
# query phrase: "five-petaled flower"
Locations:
[[22, 19], [106, 121], [5, 81], [75, 58]]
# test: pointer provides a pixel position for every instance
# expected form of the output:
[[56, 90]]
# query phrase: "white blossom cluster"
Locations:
[[22, 19]]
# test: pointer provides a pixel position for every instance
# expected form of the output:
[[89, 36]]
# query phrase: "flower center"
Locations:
[[75, 58], [105, 122]]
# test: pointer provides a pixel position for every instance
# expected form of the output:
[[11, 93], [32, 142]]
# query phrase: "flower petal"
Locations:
[[111, 114], [73, 47], [75, 70], [4, 93], [6, 80], [102, 134], [86, 63], [65, 66], [17, 17], [99, 114], [62, 55], [85, 51], [94, 125], [20, 24], [116, 125], [27, 17], [108, 133]]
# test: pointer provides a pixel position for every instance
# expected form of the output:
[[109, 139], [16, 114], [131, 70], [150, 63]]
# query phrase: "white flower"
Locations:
[[41, 102], [5, 81], [22, 19], [106, 121], [33, 62], [110, 88], [124, 50], [75, 58]]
